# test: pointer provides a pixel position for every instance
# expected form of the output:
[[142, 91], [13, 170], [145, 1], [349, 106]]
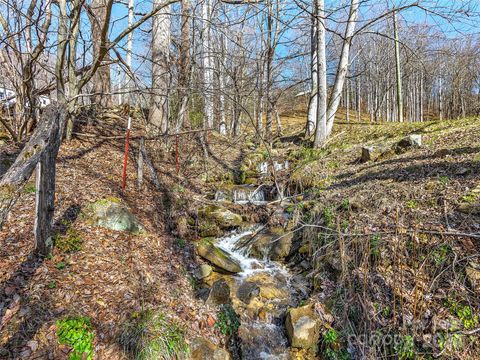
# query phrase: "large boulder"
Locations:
[[374, 152], [303, 327], [207, 250], [111, 214], [410, 141], [203, 349], [224, 218]]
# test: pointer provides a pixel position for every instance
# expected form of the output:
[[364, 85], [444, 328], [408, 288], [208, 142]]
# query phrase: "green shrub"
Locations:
[[463, 312], [412, 204], [227, 320], [77, 332], [405, 349], [441, 253], [375, 246], [345, 204], [332, 346], [329, 217], [149, 335]]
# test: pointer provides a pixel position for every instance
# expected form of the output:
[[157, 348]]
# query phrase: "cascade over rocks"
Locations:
[[218, 257]]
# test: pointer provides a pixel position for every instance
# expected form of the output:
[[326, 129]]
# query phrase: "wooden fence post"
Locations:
[[39, 153], [44, 203]]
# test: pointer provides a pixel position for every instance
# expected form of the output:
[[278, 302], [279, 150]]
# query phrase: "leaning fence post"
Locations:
[[44, 203]]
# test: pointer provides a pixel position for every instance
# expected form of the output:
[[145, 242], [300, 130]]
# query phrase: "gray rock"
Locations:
[[247, 291], [373, 152], [207, 250], [413, 140], [281, 246], [112, 214], [203, 271], [219, 293], [203, 349], [303, 327]]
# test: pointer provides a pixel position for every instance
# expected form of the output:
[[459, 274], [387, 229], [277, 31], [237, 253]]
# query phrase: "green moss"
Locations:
[[77, 332], [70, 242], [150, 335], [30, 188]]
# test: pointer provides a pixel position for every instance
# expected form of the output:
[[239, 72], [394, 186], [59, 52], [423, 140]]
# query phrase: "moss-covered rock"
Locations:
[[224, 218], [111, 214], [207, 250]]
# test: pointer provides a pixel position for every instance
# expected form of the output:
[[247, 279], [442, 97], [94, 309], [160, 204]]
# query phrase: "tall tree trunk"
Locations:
[[128, 79], [313, 102], [184, 64], [221, 78], [207, 58], [101, 81], [322, 90], [268, 72], [398, 70], [342, 65], [158, 117]]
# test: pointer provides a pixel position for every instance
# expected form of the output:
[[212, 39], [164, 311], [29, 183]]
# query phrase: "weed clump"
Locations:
[[77, 332], [227, 321], [150, 335]]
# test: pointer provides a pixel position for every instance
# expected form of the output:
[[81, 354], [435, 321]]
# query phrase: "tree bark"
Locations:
[[398, 70], [159, 111], [101, 81]]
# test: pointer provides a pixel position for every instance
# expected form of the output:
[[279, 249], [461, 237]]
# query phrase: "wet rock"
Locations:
[[207, 250], [203, 293], [203, 349], [224, 218], [247, 291], [303, 327], [203, 271], [219, 293], [111, 214], [281, 246], [268, 286]]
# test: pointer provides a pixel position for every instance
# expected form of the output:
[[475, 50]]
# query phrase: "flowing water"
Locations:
[[262, 317]]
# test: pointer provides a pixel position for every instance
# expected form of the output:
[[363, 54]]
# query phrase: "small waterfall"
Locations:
[[247, 194], [263, 168], [277, 166], [261, 337], [221, 196]]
